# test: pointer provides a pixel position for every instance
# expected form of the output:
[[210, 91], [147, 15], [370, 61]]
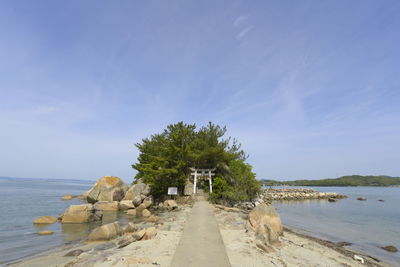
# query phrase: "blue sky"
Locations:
[[310, 88]]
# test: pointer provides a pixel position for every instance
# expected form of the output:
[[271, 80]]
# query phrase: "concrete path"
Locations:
[[201, 242]]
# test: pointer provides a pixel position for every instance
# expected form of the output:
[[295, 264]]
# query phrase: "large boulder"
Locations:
[[126, 205], [106, 205], [265, 214], [107, 188], [150, 233], [45, 220], [105, 232], [139, 189], [81, 214], [148, 201]]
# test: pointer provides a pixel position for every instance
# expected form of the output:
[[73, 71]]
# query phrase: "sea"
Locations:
[[368, 225]]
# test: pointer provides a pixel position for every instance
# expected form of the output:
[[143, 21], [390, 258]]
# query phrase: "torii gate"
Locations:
[[202, 173]]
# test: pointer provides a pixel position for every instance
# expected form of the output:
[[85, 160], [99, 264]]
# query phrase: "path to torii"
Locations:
[[209, 173]]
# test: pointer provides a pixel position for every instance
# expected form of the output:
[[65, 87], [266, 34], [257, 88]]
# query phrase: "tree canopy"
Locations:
[[165, 160]]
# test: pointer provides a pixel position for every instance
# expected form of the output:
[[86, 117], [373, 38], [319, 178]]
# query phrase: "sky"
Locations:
[[310, 88]]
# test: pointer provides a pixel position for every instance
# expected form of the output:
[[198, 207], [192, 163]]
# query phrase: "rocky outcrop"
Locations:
[[126, 205], [270, 194], [146, 213], [81, 214], [139, 189], [105, 232], [149, 233], [265, 214], [170, 204], [148, 201], [45, 220], [107, 188], [267, 226], [107, 205], [131, 212]]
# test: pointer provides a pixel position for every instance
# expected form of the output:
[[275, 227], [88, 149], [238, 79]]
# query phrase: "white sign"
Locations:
[[172, 190]]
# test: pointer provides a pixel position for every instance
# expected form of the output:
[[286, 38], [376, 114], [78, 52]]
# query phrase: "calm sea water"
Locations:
[[368, 225], [22, 201]]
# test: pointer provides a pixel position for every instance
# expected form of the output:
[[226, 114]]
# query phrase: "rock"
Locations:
[[137, 189], [381, 200], [153, 219], [146, 213], [139, 234], [107, 188], [361, 198], [131, 212], [45, 233], [137, 200], [266, 235], [343, 244], [45, 220], [265, 247], [126, 204], [105, 232], [73, 253], [81, 214], [170, 204], [392, 249], [125, 240], [136, 261], [265, 214], [67, 197], [148, 201], [231, 209], [188, 190], [106, 205], [149, 233], [332, 199], [129, 228]]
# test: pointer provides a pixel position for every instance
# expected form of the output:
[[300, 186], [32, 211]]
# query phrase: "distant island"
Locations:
[[351, 180]]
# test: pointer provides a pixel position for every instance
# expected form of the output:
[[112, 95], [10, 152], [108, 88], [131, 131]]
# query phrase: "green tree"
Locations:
[[165, 160]]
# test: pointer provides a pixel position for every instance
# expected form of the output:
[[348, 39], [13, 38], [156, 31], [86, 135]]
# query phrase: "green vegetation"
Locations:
[[353, 180], [165, 160]]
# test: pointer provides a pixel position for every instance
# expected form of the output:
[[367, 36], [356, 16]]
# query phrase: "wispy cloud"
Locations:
[[239, 20], [243, 32]]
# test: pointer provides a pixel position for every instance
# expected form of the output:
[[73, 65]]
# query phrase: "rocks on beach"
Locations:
[[298, 194], [392, 249], [105, 232], [45, 220], [45, 232], [81, 214], [136, 191], [267, 225], [362, 198], [107, 188], [107, 205]]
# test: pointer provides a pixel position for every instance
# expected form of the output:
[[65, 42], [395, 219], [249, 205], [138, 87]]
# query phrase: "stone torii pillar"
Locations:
[[202, 173]]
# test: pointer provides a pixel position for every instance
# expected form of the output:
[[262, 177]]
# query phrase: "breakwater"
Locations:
[[272, 194]]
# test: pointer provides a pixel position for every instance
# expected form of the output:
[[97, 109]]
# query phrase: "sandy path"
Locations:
[[201, 242]]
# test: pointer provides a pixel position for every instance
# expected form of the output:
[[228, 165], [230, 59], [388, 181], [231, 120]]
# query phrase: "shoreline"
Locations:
[[235, 238]]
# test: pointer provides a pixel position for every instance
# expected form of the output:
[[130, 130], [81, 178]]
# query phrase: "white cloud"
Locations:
[[243, 32], [239, 20]]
